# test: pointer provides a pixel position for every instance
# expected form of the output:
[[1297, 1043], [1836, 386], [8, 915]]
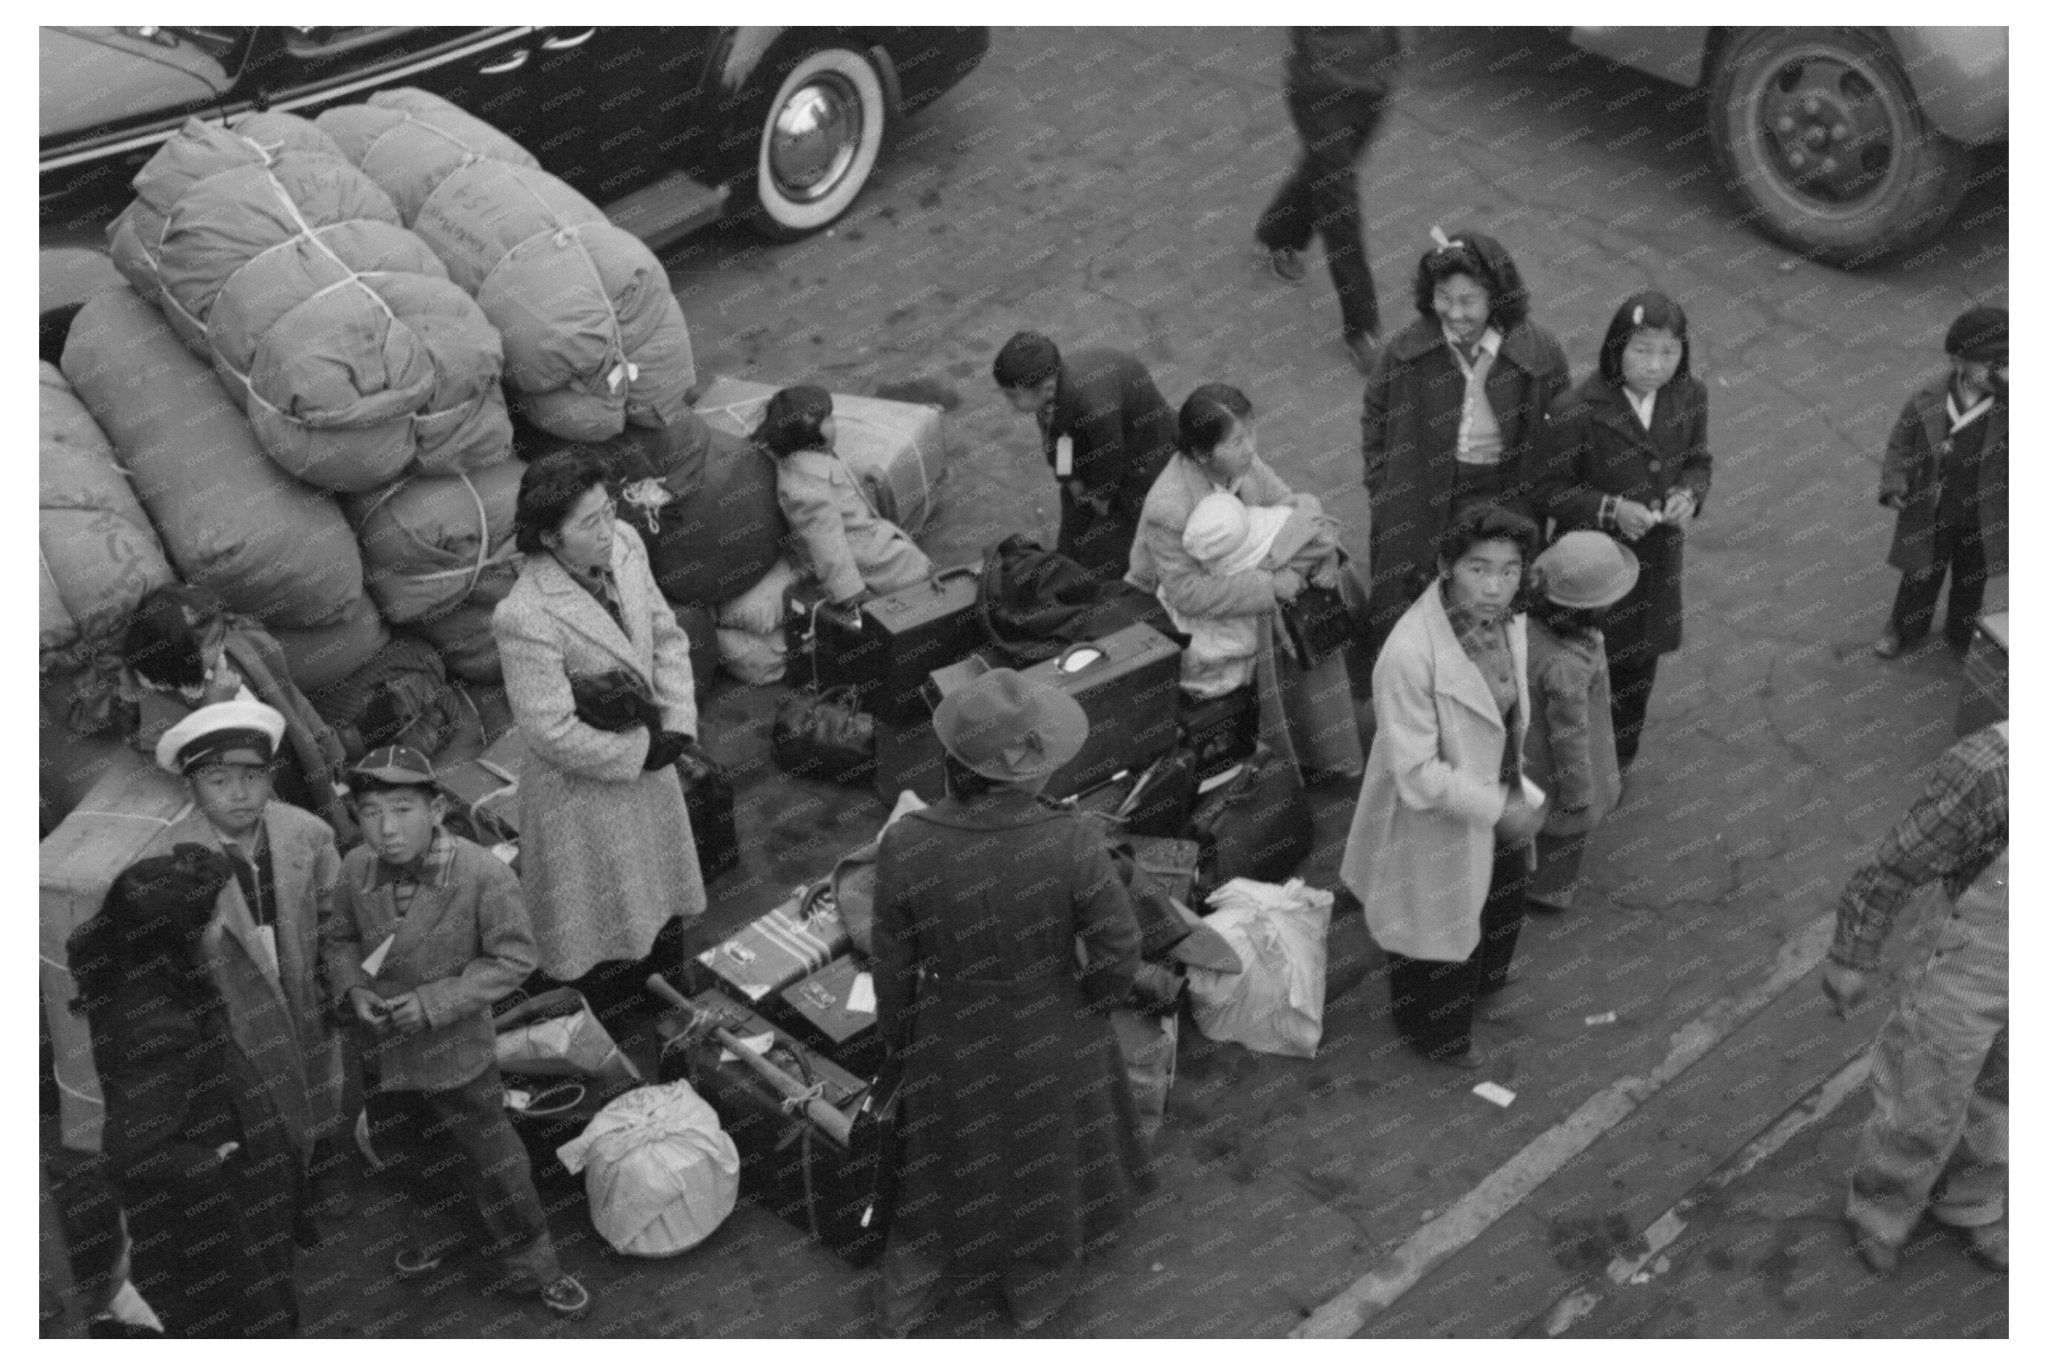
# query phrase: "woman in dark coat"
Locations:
[[1453, 411], [1627, 454], [205, 1167], [1018, 1138]]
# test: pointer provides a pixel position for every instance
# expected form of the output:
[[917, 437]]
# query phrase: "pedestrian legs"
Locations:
[[1958, 555], [1321, 197], [1500, 920], [1630, 677], [457, 1155], [1433, 1002], [913, 1281], [1968, 575], [1556, 880]]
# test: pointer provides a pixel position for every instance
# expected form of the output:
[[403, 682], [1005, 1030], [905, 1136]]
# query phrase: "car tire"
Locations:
[[821, 133], [1818, 129]]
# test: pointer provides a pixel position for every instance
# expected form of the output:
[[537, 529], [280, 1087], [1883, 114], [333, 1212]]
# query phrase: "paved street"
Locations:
[[1101, 187]]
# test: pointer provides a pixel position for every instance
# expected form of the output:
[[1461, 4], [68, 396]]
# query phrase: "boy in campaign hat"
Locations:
[[426, 932], [263, 946]]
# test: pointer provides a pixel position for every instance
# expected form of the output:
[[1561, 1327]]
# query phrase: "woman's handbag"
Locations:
[[824, 735], [614, 701], [1316, 624], [708, 798]]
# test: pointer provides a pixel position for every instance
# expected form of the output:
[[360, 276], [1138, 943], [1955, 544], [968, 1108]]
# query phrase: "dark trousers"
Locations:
[[1321, 197], [1099, 542], [1433, 1001], [1957, 548], [455, 1153], [1630, 676], [616, 988]]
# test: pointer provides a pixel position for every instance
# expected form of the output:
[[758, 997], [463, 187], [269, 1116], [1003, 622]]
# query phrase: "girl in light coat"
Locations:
[[1438, 853]]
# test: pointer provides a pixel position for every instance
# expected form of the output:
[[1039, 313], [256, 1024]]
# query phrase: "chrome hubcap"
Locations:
[[1827, 127], [815, 138]]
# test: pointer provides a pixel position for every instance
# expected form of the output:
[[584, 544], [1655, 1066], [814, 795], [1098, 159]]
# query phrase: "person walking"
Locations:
[[607, 857], [1945, 475], [1107, 433], [207, 1168], [1438, 853], [1018, 1138], [1339, 86], [1627, 454], [1937, 1140]]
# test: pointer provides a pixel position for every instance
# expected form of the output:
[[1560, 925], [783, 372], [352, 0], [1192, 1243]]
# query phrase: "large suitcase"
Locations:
[[896, 450], [1129, 684], [902, 637], [833, 1009], [789, 1163], [789, 942]]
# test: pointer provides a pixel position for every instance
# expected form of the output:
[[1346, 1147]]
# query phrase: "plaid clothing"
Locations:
[[1486, 645], [1952, 832]]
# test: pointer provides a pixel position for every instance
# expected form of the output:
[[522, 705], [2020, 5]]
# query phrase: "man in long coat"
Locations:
[[1945, 475], [1107, 433]]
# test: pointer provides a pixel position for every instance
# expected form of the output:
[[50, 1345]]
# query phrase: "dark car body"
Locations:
[[610, 110]]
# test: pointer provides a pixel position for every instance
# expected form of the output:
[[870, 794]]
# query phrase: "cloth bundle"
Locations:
[[100, 555], [229, 519], [594, 339], [1281, 935], [660, 1172], [438, 557], [337, 330]]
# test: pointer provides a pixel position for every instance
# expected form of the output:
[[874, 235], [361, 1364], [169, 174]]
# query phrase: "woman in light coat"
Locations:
[[1305, 716], [851, 550], [1438, 853], [607, 856]]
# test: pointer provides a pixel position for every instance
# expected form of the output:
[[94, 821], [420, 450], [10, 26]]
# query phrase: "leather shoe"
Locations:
[[1887, 646], [1882, 1257], [1364, 350], [1288, 265]]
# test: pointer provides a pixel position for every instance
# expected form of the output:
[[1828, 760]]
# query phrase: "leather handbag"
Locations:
[[708, 797], [824, 735], [1257, 825], [614, 701], [1316, 624]]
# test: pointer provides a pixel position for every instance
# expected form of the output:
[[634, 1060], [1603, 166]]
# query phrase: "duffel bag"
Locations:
[[1258, 825]]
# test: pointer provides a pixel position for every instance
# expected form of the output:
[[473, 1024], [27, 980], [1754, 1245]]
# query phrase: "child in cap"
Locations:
[[427, 931], [1570, 751], [263, 948], [1226, 537]]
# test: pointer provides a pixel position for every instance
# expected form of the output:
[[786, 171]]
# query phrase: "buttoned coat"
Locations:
[[463, 945], [840, 537], [1570, 748], [1123, 433], [1414, 400], [1597, 446], [1420, 853], [1306, 717], [281, 1021], [1912, 469], [605, 846]]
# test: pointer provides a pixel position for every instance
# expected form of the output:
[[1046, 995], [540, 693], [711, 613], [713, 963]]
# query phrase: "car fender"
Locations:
[[1961, 78], [1676, 54]]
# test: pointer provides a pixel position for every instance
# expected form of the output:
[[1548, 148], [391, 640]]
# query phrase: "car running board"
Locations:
[[672, 207]]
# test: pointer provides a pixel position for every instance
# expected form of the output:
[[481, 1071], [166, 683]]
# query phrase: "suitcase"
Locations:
[[1219, 732], [1258, 824], [783, 946], [1984, 675], [896, 450], [819, 1010], [1129, 684], [708, 798], [788, 1164], [902, 638], [485, 792]]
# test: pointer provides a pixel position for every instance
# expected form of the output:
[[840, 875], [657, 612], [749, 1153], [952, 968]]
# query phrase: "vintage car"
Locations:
[[667, 128], [1850, 144]]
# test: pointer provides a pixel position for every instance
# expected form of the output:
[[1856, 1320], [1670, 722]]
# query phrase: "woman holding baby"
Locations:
[[1224, 543]]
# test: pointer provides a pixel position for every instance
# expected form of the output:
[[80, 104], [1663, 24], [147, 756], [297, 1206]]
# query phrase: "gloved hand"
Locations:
[[665, 748], [693, 765]]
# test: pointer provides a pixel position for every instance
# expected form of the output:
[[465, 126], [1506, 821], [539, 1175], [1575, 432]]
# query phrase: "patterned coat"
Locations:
[[1018, 1136], [281, 1021], [1596, 446], [606, 851], [842, 540]]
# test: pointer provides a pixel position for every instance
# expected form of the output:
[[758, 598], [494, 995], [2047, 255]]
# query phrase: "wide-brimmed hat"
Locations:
[[1007, 727], [1587, 569]]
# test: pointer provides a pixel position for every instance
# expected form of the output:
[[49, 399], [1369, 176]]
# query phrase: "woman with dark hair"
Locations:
[[1439, 850], [183, 649], [1627, 454], [1453, 411], [1307, 716], [206, 1168], [607, 856], [1019, 1148], [850, 549]]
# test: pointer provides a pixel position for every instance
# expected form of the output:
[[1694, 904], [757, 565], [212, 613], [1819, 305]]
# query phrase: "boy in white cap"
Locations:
[[426, 932], [1226, 537], [263, 947]]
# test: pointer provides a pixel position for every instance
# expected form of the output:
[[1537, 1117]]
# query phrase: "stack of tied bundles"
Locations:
[[593, 337], [438, 557], [100, 555], [335, 328], [229, 519]]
